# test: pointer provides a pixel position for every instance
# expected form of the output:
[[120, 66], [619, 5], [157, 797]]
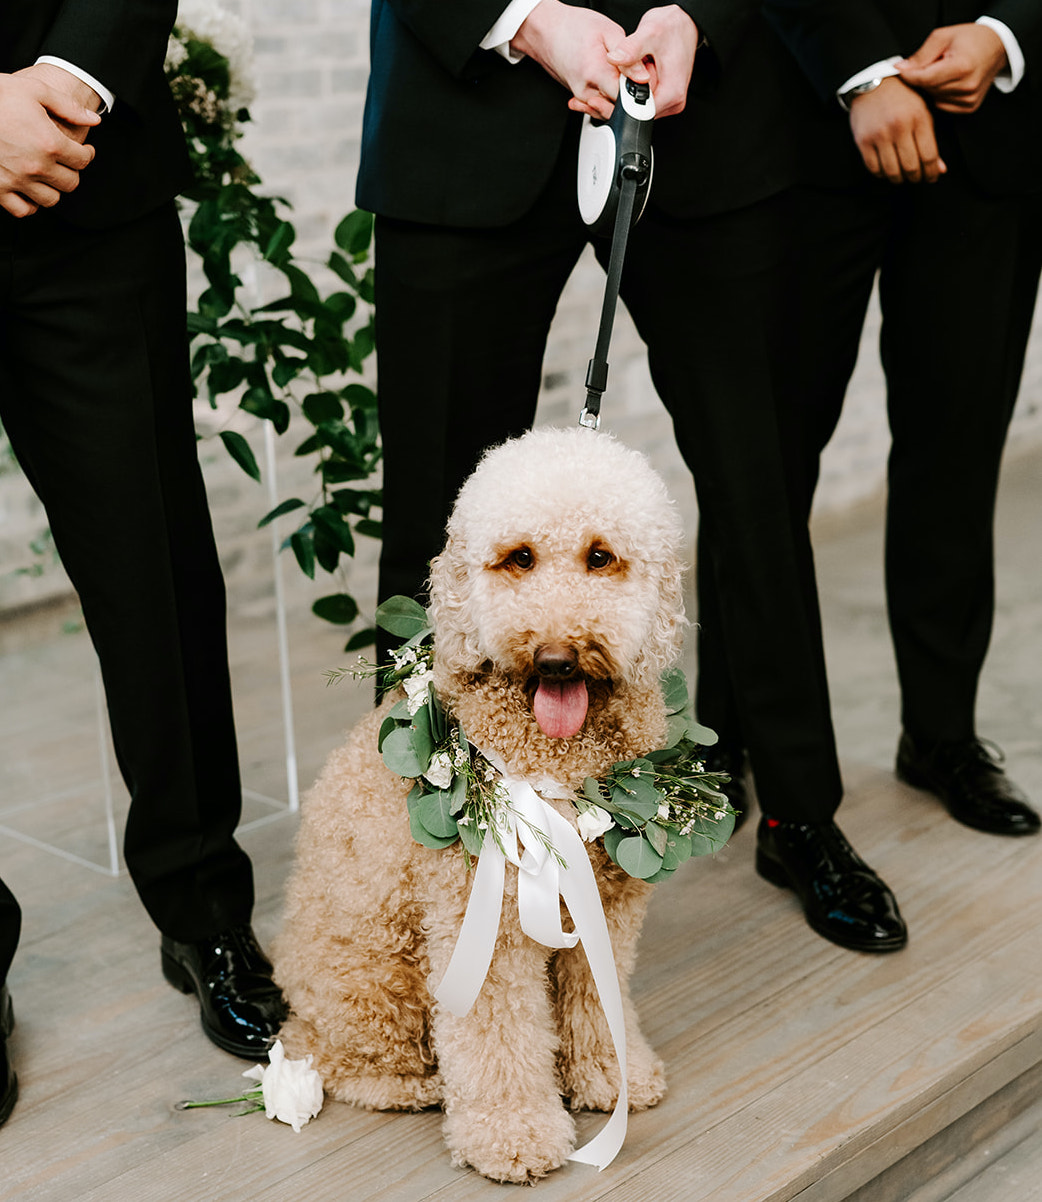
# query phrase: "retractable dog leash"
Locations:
[[614, 179]]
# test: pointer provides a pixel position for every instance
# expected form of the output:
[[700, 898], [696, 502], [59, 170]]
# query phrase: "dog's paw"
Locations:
[[513, 1145], [594, 1085], [647, 1084]]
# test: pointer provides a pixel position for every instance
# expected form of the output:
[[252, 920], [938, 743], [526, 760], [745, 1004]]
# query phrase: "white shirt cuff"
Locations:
[[881, 70], [1007, 79], [107, 99], [510, 21]]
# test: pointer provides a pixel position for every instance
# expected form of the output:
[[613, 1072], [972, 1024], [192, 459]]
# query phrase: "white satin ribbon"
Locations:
[[541, 883]]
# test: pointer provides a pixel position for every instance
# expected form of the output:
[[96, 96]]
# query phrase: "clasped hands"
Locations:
[[586, 52], [893, 126], [46, 115]]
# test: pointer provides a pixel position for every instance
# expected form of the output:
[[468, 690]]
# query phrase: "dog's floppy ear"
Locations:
[[450, 606], [663, 647]]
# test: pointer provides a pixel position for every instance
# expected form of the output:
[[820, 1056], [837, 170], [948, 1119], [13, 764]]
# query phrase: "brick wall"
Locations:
[[311, 67]]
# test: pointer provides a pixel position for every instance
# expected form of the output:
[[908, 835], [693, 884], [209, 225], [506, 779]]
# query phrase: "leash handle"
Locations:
[[630, 127], [597, 369]]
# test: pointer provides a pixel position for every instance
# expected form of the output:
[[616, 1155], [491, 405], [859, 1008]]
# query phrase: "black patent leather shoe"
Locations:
[[842, 897], [8, 1080], [970, 782], [731, 763], [242, 1008]]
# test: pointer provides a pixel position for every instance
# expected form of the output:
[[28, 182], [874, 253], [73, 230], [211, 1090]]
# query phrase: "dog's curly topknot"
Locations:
[[559, 490]]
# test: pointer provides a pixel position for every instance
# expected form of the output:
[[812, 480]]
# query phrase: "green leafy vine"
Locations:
[[300, 355]]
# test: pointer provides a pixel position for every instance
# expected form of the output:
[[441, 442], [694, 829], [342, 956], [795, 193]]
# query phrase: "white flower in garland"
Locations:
[[593, 822], [440, 770], [418, 689]]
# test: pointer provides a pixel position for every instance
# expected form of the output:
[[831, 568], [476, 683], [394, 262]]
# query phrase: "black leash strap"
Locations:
[[634, 169]]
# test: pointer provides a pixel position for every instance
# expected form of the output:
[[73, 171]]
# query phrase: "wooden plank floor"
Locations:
[[796, 1070]]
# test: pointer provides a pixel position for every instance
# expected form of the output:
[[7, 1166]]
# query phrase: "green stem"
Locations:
[[250, 1096]]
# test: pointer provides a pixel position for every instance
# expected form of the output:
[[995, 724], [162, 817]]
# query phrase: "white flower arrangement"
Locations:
[[209, 67], [207, 22]]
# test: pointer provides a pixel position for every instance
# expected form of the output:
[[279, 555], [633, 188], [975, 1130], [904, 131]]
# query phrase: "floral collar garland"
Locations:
[[654, 812]]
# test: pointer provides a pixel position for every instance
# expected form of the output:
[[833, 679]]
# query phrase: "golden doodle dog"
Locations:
[[556, 606]]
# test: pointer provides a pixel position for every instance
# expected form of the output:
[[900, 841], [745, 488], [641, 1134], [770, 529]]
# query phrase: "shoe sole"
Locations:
[[182, 980], [775, 873]]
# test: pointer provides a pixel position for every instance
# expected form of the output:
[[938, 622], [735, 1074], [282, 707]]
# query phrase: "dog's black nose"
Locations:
[[554, 661]]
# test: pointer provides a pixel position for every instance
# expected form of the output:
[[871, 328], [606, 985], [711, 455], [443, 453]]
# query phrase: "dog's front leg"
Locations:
[[589, 1067], [503, 1111]]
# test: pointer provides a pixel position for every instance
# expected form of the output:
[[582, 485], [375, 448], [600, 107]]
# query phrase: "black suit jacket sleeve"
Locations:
[[450, 32], [121, 44], [834, 40], [1024, 18]]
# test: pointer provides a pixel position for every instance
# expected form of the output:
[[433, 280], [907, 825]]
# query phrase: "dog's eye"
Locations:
[[599, 557], [521, 558]]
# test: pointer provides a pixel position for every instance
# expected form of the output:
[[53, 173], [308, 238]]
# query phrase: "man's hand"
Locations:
[[75, 89], [660, 51], [40, 160], [956, 66], [893, 129], [572, 44]]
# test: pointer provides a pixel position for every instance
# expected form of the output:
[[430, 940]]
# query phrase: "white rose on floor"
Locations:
[[439, 770], [594, 822], [292, 1089]]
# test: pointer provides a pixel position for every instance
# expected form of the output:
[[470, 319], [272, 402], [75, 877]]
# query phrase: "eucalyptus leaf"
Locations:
[[458, 795], [674, 690], [657, 836], [434, 811], [638, 858], [613, 836], [473, 839], [422, 735], [402, 616], [663, 874], [386, 726], [702, 734], [641, 790], [592, 791], [677, 727], [678, 849], [709, 835], [623, 801], [400, 755], [422, 835]]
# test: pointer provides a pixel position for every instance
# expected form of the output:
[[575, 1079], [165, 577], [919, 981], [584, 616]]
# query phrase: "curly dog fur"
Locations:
[[561, 562]]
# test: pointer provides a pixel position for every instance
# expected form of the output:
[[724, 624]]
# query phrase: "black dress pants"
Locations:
[[96, 400], [958, 277], [462, 320]]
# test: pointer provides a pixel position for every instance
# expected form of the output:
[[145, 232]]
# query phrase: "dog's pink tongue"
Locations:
[[560, 709]]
